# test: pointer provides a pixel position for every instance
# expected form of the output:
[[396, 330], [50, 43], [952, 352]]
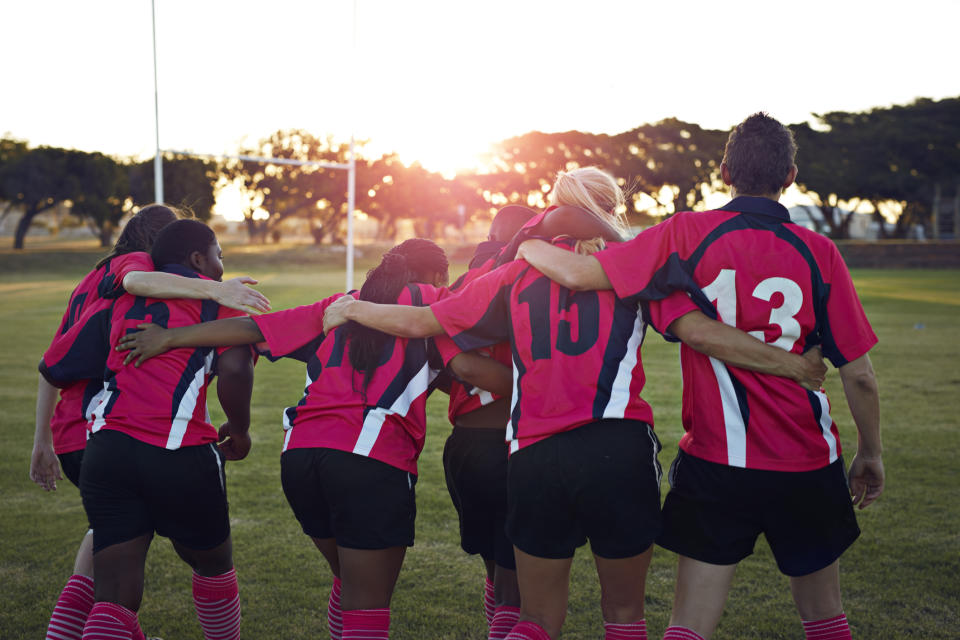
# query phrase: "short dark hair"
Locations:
[[508, 221], [760, 153], [179, 240]]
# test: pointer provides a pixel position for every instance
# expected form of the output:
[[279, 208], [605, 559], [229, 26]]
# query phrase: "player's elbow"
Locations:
[[134, 283], [858, 375]]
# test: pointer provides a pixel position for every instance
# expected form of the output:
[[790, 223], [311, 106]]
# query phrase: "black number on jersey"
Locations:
[[587, 304], [158, 312]]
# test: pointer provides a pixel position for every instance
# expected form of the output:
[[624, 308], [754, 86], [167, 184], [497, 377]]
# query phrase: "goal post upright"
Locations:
[[350, 166]]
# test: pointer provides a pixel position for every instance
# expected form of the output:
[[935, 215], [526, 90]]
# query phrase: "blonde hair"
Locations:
[[593, 190]]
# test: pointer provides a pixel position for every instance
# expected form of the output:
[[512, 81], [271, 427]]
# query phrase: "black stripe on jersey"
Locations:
[[208, 311], [110, 384], [194, 364], [314, 367], [495, 324], [90, 392], [76, 306], [817, 408], [621, 330], [87, 355]]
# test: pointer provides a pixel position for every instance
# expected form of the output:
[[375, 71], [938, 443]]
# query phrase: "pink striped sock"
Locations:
[[630, 631], [109, 621], [681, 633], [217, 601], [489, 601], [70, 612], [527, 630], [334, 613], [366, 624], [835, 628], [504, 618]]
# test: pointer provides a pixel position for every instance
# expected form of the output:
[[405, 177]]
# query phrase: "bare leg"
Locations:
[[506, 591], [328, 547], [701, 594], [119, 571], [369, 576], [83, 565], [622, 586], [208, 562], [544, 590], [817, 595]]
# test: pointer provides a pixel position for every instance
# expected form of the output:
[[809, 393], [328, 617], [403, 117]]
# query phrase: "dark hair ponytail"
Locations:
[[415, 260], [141, 230]]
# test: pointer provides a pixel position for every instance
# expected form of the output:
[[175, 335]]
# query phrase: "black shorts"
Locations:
[[475, 465], [361, 502], [70, 465], [131, 489], [714, 513], [599, 481]]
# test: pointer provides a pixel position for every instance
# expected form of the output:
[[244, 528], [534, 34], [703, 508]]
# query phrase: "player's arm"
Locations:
[[234, 386], [153, 340], [576, 223], [233, 293], [740, 349], [44, 465], [571, 270], [866, 475], [396, 319], [483, 372]]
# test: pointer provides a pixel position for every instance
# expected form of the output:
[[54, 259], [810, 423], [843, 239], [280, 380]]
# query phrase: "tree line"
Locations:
[[890, 157]]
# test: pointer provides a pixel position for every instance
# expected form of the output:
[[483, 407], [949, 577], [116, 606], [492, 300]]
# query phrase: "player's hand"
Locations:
[[235, 293], [45, 467], [336, 313], [865, 479], [234, 444], [814, 370], [144, 344]]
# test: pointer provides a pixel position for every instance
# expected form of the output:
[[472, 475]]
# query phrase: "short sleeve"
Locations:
[[477, 315], [847, 333], [119, 266], [284, 332], [661, 313]]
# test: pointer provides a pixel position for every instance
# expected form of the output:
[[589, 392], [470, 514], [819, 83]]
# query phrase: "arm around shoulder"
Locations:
[[571, 270]]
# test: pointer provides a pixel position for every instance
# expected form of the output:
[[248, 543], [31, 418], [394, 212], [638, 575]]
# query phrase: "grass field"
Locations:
[[900, 580]]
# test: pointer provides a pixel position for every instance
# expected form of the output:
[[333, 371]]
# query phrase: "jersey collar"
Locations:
[[761, 206], [180, 270]]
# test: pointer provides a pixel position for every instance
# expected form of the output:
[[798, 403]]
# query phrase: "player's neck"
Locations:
[[769, 196]]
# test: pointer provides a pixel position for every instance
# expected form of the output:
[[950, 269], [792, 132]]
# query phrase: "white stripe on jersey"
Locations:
[[96, 416], [826, 421], [178, 428], [514, 399], [620, 394], [732, 418], [485, 396], [376, 416]]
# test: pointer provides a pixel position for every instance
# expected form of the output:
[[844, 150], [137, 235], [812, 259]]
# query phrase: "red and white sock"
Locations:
[[217, 601], [504, 619], [835, 628], [334, 613], [72, 608], [109, 621], [681, 633], [630, 631], [366, 624], [489, 601], [527, 630]]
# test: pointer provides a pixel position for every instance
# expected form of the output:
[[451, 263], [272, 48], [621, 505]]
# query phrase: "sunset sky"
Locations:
[[438, 81]]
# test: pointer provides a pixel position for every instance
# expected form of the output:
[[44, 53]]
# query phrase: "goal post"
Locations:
[[350, 167]]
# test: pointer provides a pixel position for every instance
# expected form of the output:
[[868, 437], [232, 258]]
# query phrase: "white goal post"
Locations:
[[350, 166]]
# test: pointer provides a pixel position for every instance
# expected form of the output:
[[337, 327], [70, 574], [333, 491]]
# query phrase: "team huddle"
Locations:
[[538, 345]]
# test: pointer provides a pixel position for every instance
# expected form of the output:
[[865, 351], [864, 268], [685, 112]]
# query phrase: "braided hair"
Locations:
[[415, 260], [141, 230]]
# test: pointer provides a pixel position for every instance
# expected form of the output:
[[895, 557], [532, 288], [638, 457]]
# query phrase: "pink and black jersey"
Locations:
[[387, 420], [576, 354], [464, 397], [750, 266], [164, 401], [93, 295]]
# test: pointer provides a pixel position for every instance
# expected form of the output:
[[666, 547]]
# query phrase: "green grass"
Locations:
[[900, 580]]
